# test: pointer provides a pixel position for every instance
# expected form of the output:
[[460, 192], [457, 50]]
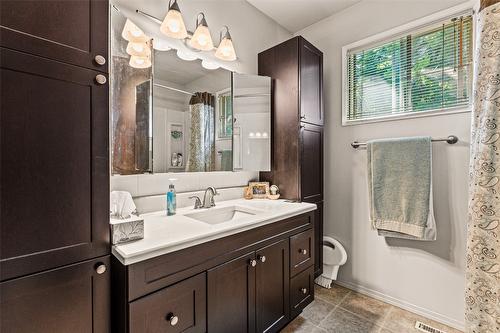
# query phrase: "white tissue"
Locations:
[[121, 204]]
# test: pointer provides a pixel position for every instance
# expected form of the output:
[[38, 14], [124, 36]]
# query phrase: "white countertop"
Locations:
[[164, 234]]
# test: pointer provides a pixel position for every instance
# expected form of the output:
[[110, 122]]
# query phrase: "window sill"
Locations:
[[422, 114]]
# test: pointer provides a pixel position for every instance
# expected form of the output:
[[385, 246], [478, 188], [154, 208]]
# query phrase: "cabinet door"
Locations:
[[231, 296], [272, 287], [74, 31], [311, 172], [178, 308], [318, 240], [311, 83], [54, 165], [73, 298]]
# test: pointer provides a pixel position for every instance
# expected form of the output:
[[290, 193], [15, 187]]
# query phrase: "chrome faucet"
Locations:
[[208, 199], [197, 202]]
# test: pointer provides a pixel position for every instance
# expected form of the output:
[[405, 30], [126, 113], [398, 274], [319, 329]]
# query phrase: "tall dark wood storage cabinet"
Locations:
[[54, 196], [296, 67]]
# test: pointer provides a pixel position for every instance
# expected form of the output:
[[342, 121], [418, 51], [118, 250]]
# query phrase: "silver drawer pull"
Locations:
[[172, 319], [303, 251], [253, 262], [303, 290], [100, 79], [261, 258], [100, 60]]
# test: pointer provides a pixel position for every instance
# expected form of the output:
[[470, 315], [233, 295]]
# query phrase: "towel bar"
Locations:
[[451, 139]]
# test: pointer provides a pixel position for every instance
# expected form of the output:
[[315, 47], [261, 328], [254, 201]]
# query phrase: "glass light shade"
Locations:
[[140, 62], [209, 65], [225, 51], [160, 45], [201, 39], [173, 25], [138, 49], [133, 33]]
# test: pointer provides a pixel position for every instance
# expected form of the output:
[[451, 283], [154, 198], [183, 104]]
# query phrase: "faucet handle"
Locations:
[[197, 202]]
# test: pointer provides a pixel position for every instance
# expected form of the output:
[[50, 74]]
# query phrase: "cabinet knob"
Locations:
[[99, 59], [303, 251], [302, 117], [100, 268], [100, 79], [172, 319], [303, 290], [253, 262], [261, 258]]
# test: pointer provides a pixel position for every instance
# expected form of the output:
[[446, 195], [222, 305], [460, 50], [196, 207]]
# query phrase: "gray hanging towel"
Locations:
[[400, 184]]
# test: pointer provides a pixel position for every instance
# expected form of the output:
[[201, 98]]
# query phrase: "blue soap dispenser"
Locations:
[[171, 198]]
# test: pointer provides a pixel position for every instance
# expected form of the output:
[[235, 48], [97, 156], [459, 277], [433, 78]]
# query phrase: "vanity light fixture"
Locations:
[[133, 33], [201, 39], [186, 56], [140, 62], [225, 51], [209, 65], [173, 24], [138, 49]]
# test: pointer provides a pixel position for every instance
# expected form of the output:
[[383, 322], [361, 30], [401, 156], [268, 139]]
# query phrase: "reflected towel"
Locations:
[[400, 184], [226, 160]]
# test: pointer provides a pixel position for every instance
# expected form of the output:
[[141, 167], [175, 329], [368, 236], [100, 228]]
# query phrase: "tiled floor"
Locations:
[[340, 310]]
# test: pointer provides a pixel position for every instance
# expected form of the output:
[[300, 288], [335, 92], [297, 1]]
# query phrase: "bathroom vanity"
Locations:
[[243, 266]]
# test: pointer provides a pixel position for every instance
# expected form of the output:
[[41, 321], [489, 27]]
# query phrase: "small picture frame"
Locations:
[[260, 190]]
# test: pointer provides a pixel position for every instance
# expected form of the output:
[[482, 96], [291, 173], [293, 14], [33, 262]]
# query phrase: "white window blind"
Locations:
[[422, 71]]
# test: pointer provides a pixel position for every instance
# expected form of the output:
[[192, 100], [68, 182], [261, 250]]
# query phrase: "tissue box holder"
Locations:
[[126, 230]]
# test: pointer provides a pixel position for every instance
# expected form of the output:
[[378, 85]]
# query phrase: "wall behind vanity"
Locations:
[[424, 277]]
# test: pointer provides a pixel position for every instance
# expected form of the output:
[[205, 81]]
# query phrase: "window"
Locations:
[[426, 70]]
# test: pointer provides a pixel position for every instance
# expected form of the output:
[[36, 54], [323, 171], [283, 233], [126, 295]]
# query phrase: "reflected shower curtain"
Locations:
[[483, 247], [201, 155]]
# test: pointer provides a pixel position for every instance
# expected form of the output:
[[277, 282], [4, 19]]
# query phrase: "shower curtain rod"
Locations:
[[174, 89], [451, 139]]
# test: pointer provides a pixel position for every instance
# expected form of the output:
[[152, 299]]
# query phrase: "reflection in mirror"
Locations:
[[131, 107], [192, 116], [252, 122]]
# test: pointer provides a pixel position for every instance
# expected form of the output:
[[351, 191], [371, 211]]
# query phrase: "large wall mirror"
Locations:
[[175, 115]]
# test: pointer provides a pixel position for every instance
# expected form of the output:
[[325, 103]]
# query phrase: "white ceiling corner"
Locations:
[[295, 15]]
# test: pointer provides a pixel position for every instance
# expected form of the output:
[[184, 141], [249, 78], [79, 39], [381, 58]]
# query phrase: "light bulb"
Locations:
[[225, 51], [138, 49], [202, 40], [173, 24], [140, 62], [133, 33]]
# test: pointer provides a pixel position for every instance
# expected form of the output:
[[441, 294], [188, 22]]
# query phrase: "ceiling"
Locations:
[[294, 15]]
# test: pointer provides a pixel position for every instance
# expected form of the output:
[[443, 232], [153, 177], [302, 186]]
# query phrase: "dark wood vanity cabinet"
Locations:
[[247, 276], [296, 67], [74, 32], [54, 218], [72, 298]]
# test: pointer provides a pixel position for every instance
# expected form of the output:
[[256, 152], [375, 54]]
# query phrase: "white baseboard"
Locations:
[[404, 305]]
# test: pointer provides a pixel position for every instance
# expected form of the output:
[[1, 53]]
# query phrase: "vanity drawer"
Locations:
[[301, 251], [301, 291], [178, 308]]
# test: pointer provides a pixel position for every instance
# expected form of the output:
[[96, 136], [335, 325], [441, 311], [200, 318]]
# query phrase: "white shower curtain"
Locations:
[[483, 247]]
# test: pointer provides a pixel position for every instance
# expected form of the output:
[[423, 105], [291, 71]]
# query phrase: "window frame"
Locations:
[[423, 24]]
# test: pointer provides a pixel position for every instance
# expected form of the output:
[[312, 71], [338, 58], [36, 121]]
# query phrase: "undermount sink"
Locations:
[[224, 214]]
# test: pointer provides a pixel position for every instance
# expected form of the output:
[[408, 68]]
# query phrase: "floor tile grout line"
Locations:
[[334, 308], [360, 317]]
